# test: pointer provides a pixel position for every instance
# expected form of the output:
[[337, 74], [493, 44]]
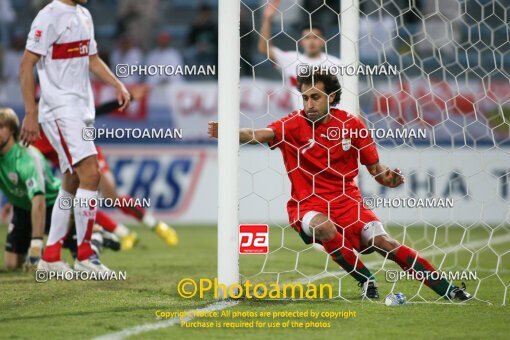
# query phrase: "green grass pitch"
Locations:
[[86, 309]]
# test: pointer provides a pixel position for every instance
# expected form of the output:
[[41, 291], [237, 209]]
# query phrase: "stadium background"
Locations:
[[453, 82]]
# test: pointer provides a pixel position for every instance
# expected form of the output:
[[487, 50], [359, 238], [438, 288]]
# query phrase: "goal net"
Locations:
[[443, 118]]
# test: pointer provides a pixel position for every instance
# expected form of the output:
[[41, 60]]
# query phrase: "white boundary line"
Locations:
[[220, 305], [147, 327]]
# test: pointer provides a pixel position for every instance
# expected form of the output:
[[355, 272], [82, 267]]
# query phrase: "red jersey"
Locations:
[[322, 162]]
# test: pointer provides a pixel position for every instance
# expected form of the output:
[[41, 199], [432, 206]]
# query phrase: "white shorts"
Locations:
[[65, 135], [369, 231]]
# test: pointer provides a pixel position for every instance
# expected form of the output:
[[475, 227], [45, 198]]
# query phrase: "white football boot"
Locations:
[[91, 265], [55, 267]]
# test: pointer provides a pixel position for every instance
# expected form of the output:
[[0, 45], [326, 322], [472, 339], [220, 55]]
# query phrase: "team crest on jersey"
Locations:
[[346, 144], [37, 35], [30, 183], [13, 177]]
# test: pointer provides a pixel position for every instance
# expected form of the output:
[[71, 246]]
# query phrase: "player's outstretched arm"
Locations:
[[38, 217], [246, 135], [265, 46], [101, 70], [30, 126], [385, 176]]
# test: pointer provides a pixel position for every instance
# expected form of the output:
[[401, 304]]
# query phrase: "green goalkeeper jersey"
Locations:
[[25, 173]]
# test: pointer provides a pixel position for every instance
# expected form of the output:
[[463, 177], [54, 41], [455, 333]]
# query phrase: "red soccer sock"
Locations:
[[52, 252], [131, 210], [341, 251], [105, 221], [406, 257]]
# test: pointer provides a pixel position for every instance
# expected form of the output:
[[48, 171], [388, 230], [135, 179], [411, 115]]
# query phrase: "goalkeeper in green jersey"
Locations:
[[29, 185]]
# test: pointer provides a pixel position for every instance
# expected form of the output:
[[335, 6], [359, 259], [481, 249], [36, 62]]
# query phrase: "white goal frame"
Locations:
[[228, 118], [228, 141]]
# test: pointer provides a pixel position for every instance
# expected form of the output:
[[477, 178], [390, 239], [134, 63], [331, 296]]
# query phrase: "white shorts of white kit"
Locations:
[[66, 137]]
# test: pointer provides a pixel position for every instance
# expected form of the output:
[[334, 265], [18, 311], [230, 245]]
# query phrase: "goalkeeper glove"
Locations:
[[34, 255]]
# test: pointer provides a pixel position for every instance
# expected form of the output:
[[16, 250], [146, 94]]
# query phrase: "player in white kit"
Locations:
[[61, 43], [312, 43]]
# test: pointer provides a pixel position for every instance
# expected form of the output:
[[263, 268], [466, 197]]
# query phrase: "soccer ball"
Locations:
[[395, 299]]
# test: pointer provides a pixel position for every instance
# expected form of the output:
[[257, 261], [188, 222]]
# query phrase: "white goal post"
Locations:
[[228, 141], [349, 28]]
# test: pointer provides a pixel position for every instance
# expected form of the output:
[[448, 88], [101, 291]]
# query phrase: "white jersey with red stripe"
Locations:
[[63, 35], [289, 61]]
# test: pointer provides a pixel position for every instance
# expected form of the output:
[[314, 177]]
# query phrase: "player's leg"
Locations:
[[60, 216], [87, 170], [19, 234], [12, 260], [78, 155], [408, 259], [350, 216], [56, 215], [126, 237], [108, 189], [61, 212], [95, 236], [100, 239], [105, 221], [340, 249]]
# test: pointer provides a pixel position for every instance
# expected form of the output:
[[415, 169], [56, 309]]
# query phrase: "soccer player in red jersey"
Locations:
[[321, 147]]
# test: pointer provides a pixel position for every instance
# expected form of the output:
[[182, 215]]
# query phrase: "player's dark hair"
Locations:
[[9, 118], [331, 84], [314, 27]]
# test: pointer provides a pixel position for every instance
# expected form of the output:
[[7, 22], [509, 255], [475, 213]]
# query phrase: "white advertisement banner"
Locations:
[[194, 104], [464, 186], [466, 113], [181, 183]]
